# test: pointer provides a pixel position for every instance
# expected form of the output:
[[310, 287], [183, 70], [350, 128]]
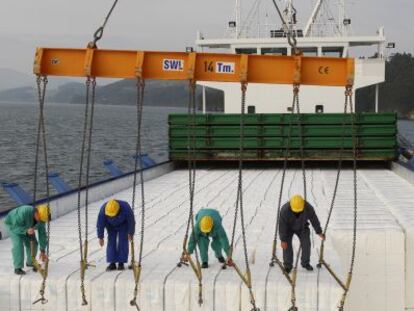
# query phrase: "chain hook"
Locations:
[[98, 34]]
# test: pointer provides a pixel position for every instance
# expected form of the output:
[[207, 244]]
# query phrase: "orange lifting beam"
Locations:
[[271, 69]]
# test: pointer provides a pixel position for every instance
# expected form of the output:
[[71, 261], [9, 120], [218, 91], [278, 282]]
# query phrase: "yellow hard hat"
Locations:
[[206, 224], [112, 208], [43, 211], [297, 204]]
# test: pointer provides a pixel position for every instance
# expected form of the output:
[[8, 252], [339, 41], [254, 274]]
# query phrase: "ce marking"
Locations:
[[324, 70]]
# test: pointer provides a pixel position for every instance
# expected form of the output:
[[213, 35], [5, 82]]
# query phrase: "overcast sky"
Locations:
[[161, 24]]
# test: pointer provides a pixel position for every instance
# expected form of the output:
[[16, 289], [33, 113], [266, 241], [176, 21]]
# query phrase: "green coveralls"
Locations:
[[220, 241], [18, 221]]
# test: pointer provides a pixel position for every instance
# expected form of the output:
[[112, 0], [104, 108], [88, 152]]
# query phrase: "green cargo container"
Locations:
[[270, 155], [276, 119], [266, 136], [282, 142], [272, 131]]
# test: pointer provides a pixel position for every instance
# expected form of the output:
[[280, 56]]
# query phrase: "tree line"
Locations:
[[397, 93]]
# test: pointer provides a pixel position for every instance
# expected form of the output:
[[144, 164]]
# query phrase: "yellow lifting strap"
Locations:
[[298, 69]]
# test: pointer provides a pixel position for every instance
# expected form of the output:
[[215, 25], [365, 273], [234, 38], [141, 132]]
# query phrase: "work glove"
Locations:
[[184, 258], [230, 262], [43, 256]]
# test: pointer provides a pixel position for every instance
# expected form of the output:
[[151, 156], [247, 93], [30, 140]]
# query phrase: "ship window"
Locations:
[[319, 108], [274, 51], [309, 51], [246, 51], [251, 109], [333, 51], [277, 33]]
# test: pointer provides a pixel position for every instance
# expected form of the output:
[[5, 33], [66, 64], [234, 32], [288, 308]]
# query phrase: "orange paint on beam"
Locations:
[[196, 66]]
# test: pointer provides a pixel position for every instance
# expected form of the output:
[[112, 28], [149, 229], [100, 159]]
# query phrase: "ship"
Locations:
[[383, 275]]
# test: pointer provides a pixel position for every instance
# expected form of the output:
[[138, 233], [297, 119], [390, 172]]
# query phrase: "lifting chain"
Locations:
[[136, 267], [195, 265], [274, 259], [338, 174], [99, 32], [322, 263], [246, 277], [41, 138], [86, 143], [354, 168], [288, 30]]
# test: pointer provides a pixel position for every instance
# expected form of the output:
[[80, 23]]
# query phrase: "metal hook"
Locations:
[[43, 300], [133, 303]]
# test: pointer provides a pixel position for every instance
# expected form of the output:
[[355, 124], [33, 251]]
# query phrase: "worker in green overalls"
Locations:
[[22, 223], [208, 225]]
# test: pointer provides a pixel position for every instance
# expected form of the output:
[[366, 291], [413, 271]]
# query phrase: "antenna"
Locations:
[[238, 18], [323, 22]]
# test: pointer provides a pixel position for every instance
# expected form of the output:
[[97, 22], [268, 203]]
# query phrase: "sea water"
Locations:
[[114, 137]]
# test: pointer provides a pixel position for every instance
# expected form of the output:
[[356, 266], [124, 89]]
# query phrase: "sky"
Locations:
[[162, 24]]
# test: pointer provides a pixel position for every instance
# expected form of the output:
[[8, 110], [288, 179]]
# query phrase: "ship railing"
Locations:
[[64, 203]]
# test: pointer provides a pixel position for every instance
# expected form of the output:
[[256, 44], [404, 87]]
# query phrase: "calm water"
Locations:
[[113, 139]]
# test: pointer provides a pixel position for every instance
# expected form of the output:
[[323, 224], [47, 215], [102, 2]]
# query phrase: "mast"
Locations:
[[341, 18], [290, 13], [238, 18], [313, 17]]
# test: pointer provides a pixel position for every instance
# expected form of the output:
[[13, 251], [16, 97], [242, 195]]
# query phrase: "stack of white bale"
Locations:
[[378, 282], [398, 195]]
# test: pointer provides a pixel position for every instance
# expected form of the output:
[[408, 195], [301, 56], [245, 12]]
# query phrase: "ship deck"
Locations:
[[383, 277]]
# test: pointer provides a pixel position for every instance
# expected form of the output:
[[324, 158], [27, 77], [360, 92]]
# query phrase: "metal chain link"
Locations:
[[285, 164], [288, 29], [274, 258], [41, 133], [354, 233], [191, 113], [99, 32], [301, 145], [88, 160], [82, 155], [346, 285], [41, 91], [240, 195], [86, 144], [193, 110], [302, 158], [138, 157], [338, 173]]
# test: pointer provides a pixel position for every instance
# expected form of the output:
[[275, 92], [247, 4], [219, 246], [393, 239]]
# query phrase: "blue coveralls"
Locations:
[[118, 228]]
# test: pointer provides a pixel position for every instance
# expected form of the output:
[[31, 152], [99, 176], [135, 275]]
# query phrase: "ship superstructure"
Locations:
[[371, 222], [324, 34]]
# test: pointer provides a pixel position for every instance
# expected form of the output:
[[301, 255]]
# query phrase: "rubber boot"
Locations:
[[19, 272], [308, 267]]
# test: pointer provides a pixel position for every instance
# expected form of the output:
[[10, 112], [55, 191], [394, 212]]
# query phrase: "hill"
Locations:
[[123, 92], [397, 93]]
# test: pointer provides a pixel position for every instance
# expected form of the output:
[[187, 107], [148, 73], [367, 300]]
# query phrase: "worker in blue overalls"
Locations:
[[118, 219]]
